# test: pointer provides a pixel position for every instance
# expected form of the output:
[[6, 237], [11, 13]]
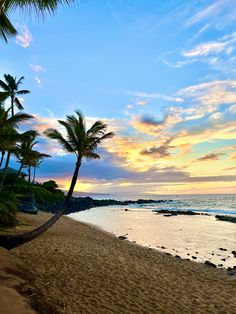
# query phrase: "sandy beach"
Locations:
[[76, 268]]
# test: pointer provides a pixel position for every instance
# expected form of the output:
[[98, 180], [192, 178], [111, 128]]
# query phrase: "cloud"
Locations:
[[232, 109], [24, 37], [224, 44], [143, 102], [210, 156], [206, 13], [38, 81], [155, 96], [36, 68], [159, 151], [207, 97]]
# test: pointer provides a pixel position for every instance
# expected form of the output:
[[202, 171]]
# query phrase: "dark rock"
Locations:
[[122, 237], [223, 259], [194, 257], [177, 256], [210, 264], [234, 253], [162, 247], [126, 210], [226, 218], [220, 265], [188, 253], [222, 249], [175, 212]]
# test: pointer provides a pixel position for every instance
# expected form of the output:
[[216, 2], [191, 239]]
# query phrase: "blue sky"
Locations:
[[160, 73]]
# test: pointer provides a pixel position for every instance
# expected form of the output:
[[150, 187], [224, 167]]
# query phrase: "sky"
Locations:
[[161, 74]]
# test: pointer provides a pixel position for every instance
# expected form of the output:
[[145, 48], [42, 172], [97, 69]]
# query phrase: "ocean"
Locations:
[[213, 203], [200, 238]]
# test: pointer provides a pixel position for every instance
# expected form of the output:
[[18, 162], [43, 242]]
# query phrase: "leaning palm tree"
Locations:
[[37, 7], [10, 89], [79, 142], [82, 144]]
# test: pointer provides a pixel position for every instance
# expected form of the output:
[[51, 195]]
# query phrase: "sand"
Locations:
[[76, 268]]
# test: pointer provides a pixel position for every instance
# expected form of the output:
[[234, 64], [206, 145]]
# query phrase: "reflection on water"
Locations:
[[186, 236]]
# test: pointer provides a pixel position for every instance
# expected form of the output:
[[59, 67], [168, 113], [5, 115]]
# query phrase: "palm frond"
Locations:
[[23, 92], [18, 104], [54, 134], [7, 30]]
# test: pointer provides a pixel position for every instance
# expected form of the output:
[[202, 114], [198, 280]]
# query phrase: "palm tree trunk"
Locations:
[[34, 174], [73, 182], [5, 170], [10, 241], [18, 174], [12, 106], [29, 177], [2, 157]]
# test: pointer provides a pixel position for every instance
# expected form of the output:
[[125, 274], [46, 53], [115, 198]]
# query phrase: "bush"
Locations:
[[8, 210]]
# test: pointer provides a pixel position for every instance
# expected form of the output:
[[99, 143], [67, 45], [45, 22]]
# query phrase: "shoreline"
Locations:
[[77, 268]]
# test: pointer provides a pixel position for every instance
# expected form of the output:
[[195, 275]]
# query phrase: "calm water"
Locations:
[[215, 204], [186, 236]]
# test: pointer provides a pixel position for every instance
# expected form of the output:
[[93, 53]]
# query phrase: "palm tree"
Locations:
[[27, 156], [10, 89], [79, 142], [9, 136], [37, 7], [82, 144]]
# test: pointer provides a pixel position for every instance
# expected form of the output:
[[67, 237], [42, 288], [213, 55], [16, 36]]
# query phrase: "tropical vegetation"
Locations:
[[38, 8], [75, 139]]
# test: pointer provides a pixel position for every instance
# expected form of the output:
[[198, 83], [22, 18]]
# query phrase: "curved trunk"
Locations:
[[73, 181], [2, 157], [5, 170], [10, 241]]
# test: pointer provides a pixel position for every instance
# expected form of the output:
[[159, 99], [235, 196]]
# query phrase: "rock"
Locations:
[[223, 259], [177, 256], [210, 264], [188, 253], [194, 257], [163, 248], [122, 237], [222, 249], [234, 253], [126, 210], [226, 218], [220, 265], [168, 254]]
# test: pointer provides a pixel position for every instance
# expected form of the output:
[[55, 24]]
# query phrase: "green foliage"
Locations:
[[44, 195], [8, 209]]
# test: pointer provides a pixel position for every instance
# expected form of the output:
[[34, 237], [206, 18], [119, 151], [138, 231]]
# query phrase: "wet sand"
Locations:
[[76, 268]]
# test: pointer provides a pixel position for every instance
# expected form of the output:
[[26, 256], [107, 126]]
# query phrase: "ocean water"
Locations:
[[199, 238], [212, 204]]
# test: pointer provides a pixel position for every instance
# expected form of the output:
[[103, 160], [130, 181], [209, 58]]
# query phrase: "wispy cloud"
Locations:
[[24, 37], [206, 12], [38, 81], [223, 44], [210, 156], [36, 68], [154, 96]]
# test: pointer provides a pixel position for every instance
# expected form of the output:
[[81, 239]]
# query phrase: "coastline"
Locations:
[[78, 268]]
